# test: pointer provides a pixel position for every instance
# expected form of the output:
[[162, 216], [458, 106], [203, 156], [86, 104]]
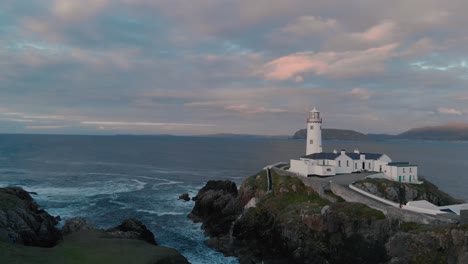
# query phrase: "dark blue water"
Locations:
[[110, 178]]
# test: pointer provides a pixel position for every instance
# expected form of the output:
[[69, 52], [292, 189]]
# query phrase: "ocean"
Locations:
[[110, 178]]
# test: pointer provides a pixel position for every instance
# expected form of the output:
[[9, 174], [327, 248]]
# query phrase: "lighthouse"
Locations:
[[314, 132]]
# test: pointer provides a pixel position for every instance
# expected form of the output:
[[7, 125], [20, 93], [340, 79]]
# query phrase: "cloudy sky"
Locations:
[[212, 66]]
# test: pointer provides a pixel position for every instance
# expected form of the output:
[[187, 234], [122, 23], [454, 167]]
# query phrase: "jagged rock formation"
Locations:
[[184, 197], [22, 222], [448, 245], [292, 224], [128, 229], [132, 229], [405, 192], [216, 207], [77, 224]]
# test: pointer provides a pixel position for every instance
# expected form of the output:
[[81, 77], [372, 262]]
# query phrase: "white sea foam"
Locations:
[[165, 183], [109, 187], [159, 213]]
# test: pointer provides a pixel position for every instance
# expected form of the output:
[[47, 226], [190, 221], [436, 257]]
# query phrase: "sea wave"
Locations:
[[158, 213], [109, 187]]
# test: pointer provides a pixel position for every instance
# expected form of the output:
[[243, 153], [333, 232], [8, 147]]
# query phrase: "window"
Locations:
[[410, 170], [323, 162], [403, 170], [339, 163], [311, 141], [312, 127], [355, 166], [347, 163], [369, 165], [328, 169]]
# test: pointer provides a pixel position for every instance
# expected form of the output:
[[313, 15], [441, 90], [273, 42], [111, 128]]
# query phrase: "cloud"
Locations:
[[238, 108], [361, 93], [449, 111], [306, 25], [44, 127], [347, 64], [382, 32], [77, 10], [122, 123]]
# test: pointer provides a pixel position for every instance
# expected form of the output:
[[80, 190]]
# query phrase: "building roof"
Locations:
[[401, 164], [333, 156], [322, 156], [369, 156]]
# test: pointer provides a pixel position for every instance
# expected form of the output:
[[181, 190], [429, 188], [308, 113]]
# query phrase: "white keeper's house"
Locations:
[[318, 163]]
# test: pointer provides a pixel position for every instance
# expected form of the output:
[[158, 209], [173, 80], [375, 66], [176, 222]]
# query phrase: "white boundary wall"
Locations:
[[406, 207]]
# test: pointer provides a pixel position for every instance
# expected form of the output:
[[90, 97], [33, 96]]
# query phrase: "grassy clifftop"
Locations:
[[405, 192], [90, 246]]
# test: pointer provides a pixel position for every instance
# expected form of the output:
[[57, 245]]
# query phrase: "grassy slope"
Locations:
[[88, 247], [427, 187], [304, 199]]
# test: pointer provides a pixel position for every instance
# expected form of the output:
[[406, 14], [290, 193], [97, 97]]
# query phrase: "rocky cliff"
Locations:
[[292, 224], [405, 192], [22, 224]]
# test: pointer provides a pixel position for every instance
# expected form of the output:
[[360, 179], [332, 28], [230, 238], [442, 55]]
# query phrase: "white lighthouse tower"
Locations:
[[314, 132]]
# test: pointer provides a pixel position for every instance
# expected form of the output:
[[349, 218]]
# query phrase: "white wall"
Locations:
[[346, 164], [393, 172], [299, 167], [306, 167], [314, 138]]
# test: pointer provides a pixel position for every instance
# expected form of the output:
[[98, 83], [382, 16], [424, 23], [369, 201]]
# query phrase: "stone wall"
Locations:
[[389, 211], [464, 217], [352, 196]]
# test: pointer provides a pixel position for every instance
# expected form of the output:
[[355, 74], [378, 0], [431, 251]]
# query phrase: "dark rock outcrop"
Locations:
[[77, 224], [132, 229], [128, 229], [217, 207], [405, 192], [448, 245], [184, 197], [22, 222], [292, 224]]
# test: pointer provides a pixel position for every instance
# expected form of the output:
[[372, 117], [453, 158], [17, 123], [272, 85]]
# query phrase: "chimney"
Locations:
[[343, 152], [356, 151], [335, 152], [362, 157]]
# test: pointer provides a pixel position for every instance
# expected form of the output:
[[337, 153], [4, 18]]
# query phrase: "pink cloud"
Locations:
[[449, 111], [335, 64], [77, 10], [306, 25], [361, 93], [380, 32]]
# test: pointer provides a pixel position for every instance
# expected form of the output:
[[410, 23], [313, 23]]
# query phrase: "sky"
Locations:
[[219, 66]]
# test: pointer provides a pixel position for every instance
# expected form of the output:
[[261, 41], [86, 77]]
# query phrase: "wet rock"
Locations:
[[184, 197], [77, 224], [132, 229], [22, 222], [217, 207]]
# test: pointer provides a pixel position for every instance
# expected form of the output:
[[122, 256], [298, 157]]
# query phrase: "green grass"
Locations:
[[410, 226], [358, 211], [288, 193], [431, 258], [426, 187], [87, 247]]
